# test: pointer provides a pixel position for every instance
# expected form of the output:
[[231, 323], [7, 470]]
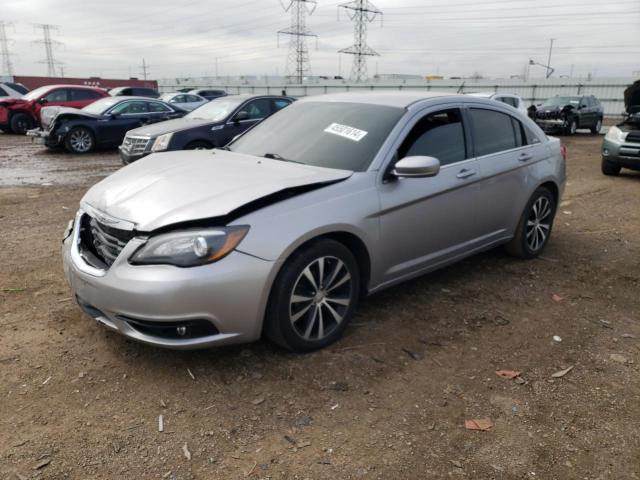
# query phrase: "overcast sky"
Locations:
[[453, 38]]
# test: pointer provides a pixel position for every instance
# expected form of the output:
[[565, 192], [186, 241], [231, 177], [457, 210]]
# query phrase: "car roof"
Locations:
[[402, 99], [86, 87], [482, 94]]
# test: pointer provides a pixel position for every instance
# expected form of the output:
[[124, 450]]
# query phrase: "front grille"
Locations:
[[633, 137], [135, 145], [102, 244]]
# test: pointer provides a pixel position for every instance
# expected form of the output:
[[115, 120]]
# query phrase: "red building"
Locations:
[[35, 82]]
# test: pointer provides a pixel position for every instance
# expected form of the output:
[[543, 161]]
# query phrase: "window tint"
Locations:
[[131, 108], [595, 101], [517, 130], [57, 96], [280, 104], [157, 107], [509, 101], [492, 131], [438, 135], [178, 99], [258, 109], [143, 92], [81, 94], [3, 92]]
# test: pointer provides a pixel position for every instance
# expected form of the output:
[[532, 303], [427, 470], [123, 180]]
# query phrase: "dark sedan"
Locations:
[[212, 125], [103, 124]]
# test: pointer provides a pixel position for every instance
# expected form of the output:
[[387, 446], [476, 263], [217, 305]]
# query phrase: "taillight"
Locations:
[[563, 152]]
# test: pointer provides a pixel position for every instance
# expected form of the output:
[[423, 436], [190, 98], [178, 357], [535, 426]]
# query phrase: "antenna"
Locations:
[[298, 64], [49, 43], [361, 12], [7, 66]]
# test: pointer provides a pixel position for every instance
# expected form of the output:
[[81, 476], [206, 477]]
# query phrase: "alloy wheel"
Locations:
[[81, 141], [320, 298], [538, 224]]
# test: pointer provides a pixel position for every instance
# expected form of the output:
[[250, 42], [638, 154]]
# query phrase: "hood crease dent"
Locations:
[[185, 187]]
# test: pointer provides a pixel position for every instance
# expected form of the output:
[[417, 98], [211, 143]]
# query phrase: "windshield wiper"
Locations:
[[275, 156]]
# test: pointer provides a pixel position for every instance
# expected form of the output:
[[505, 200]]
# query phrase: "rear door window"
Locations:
[[157, 107], [81, 94], [131, 108], [493, 132], [440, 135], [258, 109], [280, 103]]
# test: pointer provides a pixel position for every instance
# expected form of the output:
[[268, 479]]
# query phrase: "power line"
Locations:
[[4, 50], [298, 64], [49, 43], [361, 12]]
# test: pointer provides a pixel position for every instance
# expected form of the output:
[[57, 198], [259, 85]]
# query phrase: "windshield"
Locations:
[[216, 110], [560, 101], [37, 93], [324, 134], [100, 106]]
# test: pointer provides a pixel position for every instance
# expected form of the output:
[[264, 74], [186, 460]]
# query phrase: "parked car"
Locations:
[[510, 99], [621, 144], [284, 230], [134, 92], [207, 93], [18, 115], [103, 124], [213, 124], [185, 101], [12, 90], [565, 114]]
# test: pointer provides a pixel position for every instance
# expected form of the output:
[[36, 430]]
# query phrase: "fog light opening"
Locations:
[[181, 331], [605, 152]]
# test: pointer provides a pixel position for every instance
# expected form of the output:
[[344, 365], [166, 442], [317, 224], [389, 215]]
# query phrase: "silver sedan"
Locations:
[[283, 231], [185, 101]]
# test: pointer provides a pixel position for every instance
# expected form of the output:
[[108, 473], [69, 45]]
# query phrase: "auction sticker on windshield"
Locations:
[[345, 131]]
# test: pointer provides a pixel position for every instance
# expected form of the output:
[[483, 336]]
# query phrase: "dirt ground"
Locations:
[[389, 401]]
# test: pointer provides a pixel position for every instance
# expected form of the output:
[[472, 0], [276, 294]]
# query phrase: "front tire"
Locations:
[[534, 228], [79, 140], [609, 168], [572, 126], [314, 296], [20, 123]]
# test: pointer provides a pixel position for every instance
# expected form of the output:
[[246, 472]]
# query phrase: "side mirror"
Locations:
[[416, 167], [114, 114], [43, 101], [240, 116]]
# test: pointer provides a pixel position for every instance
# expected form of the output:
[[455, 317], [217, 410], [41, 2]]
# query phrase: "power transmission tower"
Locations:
[[361, 12], [49, 43], [7, 66], [298, 64], [145, 68]]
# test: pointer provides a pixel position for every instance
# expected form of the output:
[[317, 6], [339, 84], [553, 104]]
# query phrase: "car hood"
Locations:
[[169, 126], [175, 187], [49, 114], [632, 98]]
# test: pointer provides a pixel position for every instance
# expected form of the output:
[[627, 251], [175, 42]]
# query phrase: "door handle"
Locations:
[[465, 173], [523, 157]]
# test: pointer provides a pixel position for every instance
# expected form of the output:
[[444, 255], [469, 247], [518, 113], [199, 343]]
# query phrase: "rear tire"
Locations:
[[20, 123], [609, 168], [313, 297], [534, 228], [79, 140]]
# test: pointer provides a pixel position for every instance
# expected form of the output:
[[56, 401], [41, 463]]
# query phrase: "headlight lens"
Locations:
[[189, 248], [162, 142], [616, 134]]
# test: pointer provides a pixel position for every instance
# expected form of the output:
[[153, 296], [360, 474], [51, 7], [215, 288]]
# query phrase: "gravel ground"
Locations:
[[390, 400]]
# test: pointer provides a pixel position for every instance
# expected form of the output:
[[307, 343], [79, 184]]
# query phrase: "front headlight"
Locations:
[[616, 135], [189, 248], [162, 142]]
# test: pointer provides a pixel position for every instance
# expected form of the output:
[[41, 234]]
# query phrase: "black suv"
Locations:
[[565, 114], [134, 92]]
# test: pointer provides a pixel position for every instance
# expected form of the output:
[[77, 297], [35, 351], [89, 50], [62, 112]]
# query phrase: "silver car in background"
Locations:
[[284, 230], [185, 101]]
